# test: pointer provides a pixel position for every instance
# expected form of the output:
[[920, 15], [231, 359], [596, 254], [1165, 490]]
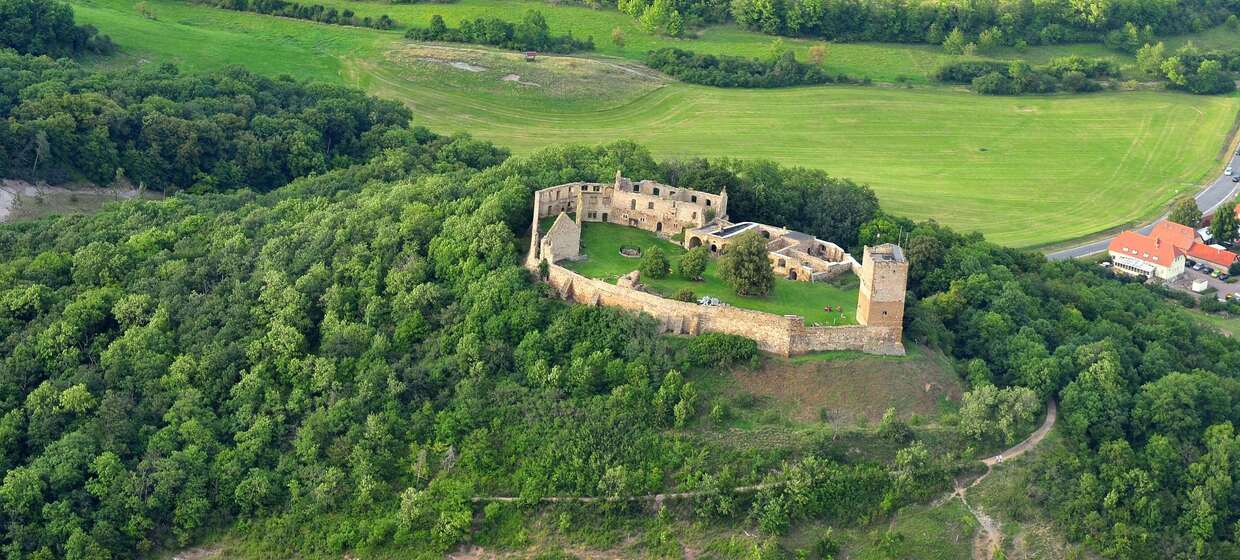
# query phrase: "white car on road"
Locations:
[[1228, 171]]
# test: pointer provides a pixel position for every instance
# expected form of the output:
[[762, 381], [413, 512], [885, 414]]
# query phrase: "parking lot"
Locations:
[[1185, 282]]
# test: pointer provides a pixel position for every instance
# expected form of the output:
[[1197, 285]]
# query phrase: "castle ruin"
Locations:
[[703, 220]]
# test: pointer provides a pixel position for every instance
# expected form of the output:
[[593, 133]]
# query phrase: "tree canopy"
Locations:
[[46, 27], [745, 267]]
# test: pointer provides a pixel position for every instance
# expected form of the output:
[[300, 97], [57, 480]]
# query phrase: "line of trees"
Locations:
[[1070, 73], [782, 70], [1122, 24], [531, 34], [312, 12], [46, 27]]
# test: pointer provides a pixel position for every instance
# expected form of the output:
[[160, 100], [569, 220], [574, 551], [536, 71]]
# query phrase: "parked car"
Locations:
[[1223, 276], [1227, 171], [1190, 263], [1235, 179], [1214, 273]]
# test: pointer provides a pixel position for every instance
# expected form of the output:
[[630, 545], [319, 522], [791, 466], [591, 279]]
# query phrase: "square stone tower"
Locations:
[[884, 280]]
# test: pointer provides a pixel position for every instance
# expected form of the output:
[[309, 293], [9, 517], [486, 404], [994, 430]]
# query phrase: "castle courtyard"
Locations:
[[601, 243]]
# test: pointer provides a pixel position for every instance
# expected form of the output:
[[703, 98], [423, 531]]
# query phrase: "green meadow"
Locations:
[[601, 243], [1026, 171]]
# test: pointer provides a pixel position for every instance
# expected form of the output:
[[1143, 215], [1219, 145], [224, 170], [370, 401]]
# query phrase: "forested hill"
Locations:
[[202, 133], [341, 363]]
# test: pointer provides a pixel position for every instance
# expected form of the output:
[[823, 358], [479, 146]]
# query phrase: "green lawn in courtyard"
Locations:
[[601, 243]]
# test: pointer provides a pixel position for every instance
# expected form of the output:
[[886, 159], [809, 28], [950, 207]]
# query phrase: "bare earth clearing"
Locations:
[[21, 200]]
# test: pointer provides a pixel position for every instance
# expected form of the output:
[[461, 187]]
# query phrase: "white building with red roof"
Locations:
[[1161, 253], [1144, 255]]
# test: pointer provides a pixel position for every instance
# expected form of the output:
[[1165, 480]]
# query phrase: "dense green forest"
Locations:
[[169, 131], [326, 344], [340, 363]]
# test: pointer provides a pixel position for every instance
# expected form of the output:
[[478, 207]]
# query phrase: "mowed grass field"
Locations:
[[1026, 171]]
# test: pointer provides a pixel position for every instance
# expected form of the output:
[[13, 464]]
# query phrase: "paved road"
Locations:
[[1220, 191]]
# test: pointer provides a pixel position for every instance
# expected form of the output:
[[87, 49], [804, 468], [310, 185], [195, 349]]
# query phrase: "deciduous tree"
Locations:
[[745, 267]]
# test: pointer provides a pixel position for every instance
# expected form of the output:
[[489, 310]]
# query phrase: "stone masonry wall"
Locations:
[[779, 334]]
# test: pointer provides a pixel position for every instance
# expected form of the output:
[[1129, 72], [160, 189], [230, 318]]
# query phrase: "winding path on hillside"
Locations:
[[989, 536]]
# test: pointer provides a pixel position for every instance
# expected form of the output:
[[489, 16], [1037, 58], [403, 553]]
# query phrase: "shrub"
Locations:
[[721, 350], [990, 77], [693, 264], [654, 264], [312, 12], [684, 294], [993, 83], [893, 429]]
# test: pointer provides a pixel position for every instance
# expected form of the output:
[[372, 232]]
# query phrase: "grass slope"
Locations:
[[1026, 171], [601, 244]]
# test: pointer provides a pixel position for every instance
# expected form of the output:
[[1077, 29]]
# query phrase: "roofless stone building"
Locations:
[[702, 218]]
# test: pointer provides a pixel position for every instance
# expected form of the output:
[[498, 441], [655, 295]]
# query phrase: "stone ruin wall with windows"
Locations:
[[670, 210]]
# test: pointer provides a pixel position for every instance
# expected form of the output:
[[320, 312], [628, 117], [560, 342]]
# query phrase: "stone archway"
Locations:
[[792, 274], [658, 226], [714, 248], [695, 242]]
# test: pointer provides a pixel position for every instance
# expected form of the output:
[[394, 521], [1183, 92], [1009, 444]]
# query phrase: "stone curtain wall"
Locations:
[[785, 335]]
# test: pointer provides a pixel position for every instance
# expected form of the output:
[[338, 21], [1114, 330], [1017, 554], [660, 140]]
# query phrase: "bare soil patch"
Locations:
[[850, 388], [22, 200]]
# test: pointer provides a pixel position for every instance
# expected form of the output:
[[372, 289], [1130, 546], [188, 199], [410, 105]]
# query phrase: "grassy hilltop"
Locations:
[[1024, 170]]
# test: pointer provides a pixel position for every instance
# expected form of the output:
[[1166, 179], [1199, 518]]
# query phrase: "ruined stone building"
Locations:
[[645, 204], [702, 219], [793, 255]]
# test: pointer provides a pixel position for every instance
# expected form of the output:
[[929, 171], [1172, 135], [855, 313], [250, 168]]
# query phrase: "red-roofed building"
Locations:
[[1149, 255], [1220, 259], [1162, 253], [1179, 236]]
